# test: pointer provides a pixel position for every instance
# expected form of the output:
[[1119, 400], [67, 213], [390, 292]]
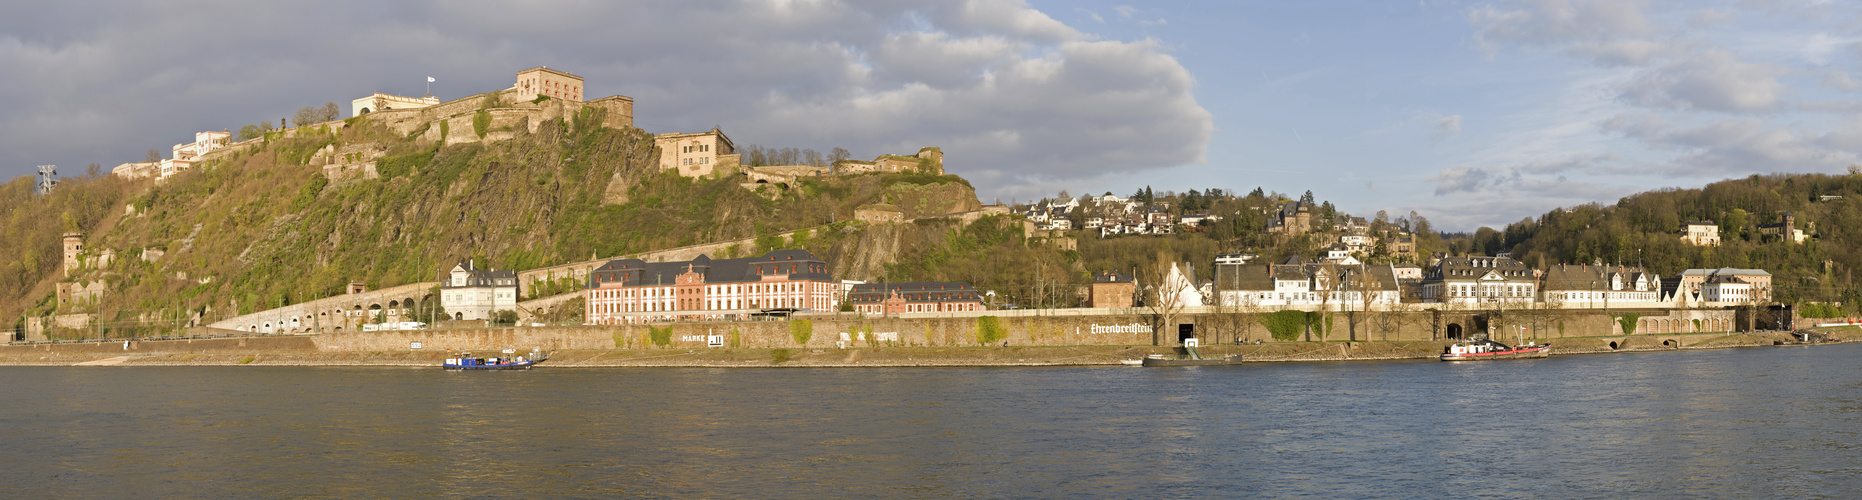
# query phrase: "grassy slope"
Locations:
[[268, 229]]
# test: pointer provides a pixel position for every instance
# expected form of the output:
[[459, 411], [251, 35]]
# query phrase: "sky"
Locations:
[[1469, 113]]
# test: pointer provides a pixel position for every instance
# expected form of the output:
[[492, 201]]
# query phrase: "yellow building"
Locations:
[[544, 81], [696, 155]]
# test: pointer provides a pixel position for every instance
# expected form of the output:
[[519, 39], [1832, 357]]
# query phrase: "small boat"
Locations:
[[1483, 349], [1160, 360], [468, 362]]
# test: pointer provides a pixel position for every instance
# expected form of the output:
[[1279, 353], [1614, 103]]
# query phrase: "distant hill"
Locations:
[[1645, 228]]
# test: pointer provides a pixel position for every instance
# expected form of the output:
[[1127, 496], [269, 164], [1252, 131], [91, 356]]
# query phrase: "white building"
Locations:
[[1587, 286], [1726, 291], [469, 293], [1480, 280], [1297, 283], [382, 102]]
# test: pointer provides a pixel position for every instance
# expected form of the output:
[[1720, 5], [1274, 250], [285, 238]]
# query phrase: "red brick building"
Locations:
[[1114, 289], [894, 298]]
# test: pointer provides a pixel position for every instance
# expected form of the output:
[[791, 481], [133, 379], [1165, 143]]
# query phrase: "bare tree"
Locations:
[[152, 156], [305, 116], [329, 112], [1165, 298], [1368, 286]]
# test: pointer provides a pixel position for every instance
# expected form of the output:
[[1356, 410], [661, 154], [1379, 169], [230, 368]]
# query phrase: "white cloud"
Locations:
[[1712, 80], [1733, 146], [1840, 80], [1003, 88], [1557, 22], [1449, 126]]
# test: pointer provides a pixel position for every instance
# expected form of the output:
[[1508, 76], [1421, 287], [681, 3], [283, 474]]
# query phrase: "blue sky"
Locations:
[[1482, 113], [1470, 113]]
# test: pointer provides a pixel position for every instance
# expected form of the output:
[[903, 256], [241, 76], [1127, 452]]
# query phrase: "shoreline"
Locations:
[[870, 357]]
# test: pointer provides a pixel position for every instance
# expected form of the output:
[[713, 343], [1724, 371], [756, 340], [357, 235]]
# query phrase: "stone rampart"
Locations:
[[339, 313]]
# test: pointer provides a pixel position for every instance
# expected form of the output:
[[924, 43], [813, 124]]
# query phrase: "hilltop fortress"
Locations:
[[538, 95]]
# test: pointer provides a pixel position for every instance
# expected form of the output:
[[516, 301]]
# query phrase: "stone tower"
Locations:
[[74, 244]]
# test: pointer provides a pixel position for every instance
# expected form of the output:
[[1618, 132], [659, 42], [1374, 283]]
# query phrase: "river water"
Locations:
[[1777, 422]]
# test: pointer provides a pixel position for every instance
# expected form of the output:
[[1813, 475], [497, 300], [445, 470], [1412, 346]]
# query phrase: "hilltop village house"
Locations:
[[895, 298], [633, 290], [1703, 233], [470, 293]]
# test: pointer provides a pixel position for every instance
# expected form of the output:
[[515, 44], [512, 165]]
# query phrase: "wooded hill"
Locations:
[[261, 227], [1645, 229]]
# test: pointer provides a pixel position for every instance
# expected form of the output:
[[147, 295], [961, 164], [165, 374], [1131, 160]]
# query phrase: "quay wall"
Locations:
[[852, 330]]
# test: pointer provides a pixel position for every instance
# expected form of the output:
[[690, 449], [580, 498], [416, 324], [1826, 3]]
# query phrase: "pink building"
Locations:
[[633, 290]]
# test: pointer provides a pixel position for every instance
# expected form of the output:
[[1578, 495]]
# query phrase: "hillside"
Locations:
[[262, 225], [1645, 228]]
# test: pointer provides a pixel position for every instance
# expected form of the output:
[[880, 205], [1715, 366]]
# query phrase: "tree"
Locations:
[[1307, 198], [329, 112], [1165, 298], [152, 156], [93, 170], [304, 116], [1735, 223]]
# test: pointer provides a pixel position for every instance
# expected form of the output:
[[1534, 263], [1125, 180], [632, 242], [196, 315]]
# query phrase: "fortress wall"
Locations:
[[346, 312]]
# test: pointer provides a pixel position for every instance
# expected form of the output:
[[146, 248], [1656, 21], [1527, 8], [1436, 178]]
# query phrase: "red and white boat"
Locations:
[[1482, 349]]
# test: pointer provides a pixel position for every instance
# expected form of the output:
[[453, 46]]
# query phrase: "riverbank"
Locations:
[[287, 351]]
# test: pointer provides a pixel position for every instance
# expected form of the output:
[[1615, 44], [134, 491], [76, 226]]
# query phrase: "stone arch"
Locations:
[[1453, 331], [1613, 345], [459, 315], [394, 304], [363, 112]]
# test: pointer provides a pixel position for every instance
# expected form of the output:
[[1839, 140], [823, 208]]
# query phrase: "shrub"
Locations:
[[1284, 325], [1628, 321], [989, 330], [778, 356], [801, 330], [481, 121], [396, 166], [661, 336]]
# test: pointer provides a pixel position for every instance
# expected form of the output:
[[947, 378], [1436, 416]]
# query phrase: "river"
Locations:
[[1740, 423]]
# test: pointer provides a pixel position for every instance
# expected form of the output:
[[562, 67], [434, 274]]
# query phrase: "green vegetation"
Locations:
[[245, 360], [1628, 322], [661, 336], [481, 122], [505, 317], [989, 330], [1815, 310], [801, 330], [1646, 227], [1284, 326], [778, 356]]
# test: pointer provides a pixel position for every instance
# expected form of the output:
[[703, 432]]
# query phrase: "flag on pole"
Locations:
[[429, 79]]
